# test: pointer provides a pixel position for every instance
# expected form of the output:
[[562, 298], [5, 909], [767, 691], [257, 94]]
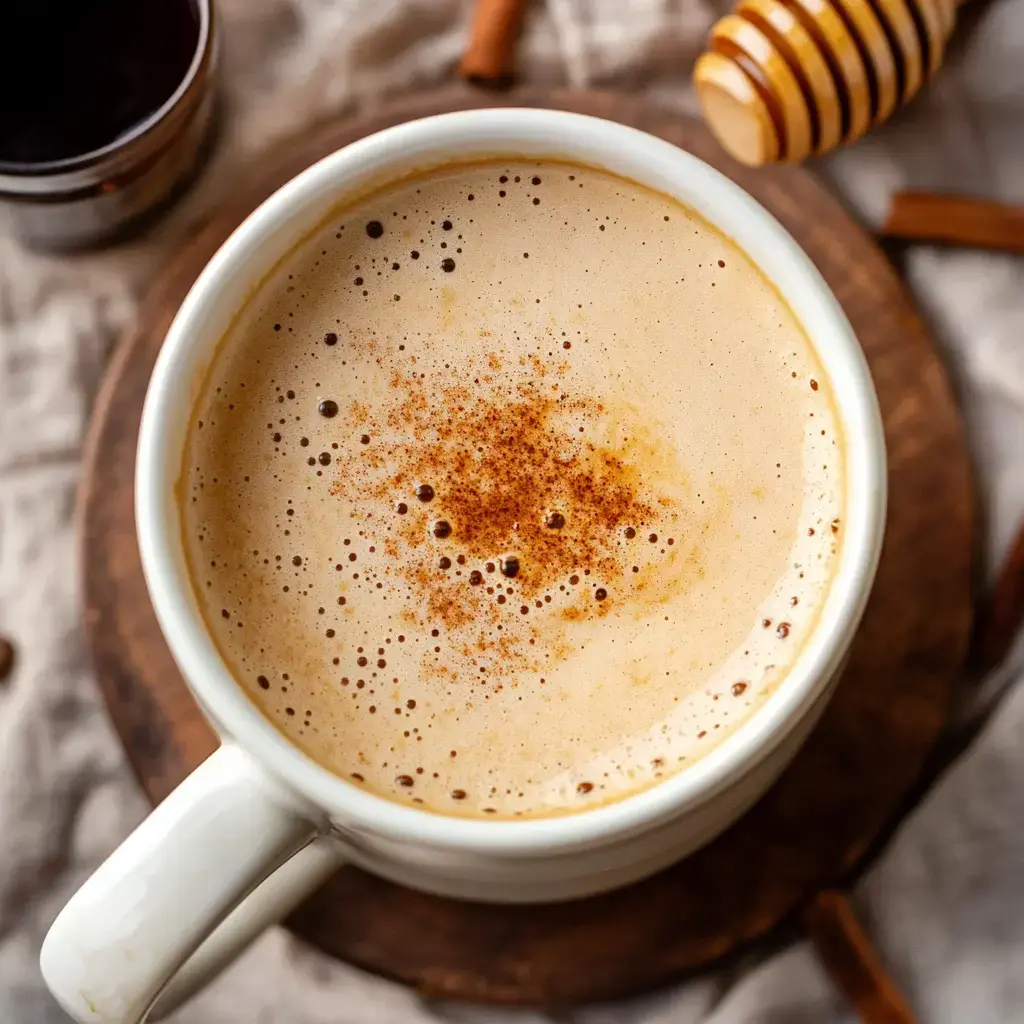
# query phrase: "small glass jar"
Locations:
[[103, 195]]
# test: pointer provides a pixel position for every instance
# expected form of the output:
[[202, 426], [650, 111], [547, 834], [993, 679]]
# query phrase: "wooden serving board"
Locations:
[[815, 826]]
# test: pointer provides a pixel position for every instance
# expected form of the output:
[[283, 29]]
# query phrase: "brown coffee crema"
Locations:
[[513, 490]]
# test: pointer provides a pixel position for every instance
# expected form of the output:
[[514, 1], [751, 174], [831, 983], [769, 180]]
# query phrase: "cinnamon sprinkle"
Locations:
[[496, 464]]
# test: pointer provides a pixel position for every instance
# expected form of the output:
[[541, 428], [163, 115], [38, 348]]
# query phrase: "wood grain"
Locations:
[[815, 825]]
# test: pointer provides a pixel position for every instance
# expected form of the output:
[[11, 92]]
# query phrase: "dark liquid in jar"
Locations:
[[76, 76]]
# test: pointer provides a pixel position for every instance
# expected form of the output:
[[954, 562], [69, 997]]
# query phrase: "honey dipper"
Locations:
[[783, 79]]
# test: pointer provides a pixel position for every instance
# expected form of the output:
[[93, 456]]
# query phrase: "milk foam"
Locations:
[[514, 490]]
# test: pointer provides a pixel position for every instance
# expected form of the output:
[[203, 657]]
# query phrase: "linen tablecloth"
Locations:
[[945, 900]]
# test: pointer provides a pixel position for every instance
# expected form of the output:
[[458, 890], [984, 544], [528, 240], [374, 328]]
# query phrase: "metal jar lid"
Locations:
[[102, 195]]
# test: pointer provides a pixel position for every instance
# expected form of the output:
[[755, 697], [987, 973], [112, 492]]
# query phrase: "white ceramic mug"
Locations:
[[260, 825]]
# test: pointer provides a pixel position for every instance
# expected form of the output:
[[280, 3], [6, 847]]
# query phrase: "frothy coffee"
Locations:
[[513, 490]]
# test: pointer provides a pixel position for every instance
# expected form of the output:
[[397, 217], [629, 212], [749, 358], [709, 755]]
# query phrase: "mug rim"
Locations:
[[590, 141]]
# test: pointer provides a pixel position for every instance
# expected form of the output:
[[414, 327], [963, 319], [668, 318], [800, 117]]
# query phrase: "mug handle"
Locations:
[[228, 853]]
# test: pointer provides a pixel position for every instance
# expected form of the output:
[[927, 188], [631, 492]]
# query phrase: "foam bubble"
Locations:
[[513, 491]]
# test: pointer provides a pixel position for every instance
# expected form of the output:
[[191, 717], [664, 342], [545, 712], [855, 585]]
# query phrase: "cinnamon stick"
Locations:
[[1003, 613], [955, 220], [6, 658], [490, 55], [852, 962]]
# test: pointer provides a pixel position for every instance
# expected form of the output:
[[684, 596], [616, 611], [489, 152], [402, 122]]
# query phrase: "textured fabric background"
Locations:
[[945, 901]]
